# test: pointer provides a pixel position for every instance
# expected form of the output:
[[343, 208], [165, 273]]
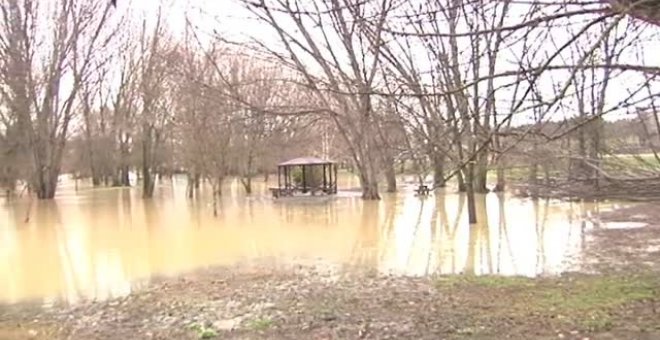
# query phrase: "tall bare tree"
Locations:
[[327, 43], [48, 51]]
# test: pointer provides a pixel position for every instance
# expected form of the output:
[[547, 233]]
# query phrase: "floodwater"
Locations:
[[104, 243]]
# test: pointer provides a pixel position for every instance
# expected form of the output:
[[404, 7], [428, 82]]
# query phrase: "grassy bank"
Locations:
[[313, 306]]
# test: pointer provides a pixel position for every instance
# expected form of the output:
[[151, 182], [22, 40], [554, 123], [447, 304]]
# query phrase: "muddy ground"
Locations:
[[619, 299]]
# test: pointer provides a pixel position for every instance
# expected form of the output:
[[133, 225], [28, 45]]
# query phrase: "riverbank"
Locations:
[[619, 299], [314, 305]]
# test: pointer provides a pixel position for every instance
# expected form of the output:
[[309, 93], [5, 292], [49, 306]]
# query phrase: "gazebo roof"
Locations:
[[306, 161]]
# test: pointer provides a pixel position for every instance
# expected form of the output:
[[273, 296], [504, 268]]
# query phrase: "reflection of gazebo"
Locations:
[[306, 175]]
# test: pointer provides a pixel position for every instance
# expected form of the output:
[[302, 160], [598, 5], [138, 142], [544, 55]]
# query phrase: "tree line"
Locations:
[[450, 88]]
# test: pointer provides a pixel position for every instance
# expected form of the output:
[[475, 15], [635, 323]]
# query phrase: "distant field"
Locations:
[[622, 161]]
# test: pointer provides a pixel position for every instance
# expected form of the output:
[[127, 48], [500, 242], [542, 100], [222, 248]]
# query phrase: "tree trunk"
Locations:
[[461, 182], [501, 181], [439, 172], [125, 176], [122, 175], [472, 211], [534, 173], [368, 182], [390, 175], [481, 174], [247, 184], [96, 179], [370, 191], [46, 184], [148, 184], [198, 180], [582, 168], [594, 152], [217, 193], [190, 186], [147, 178]]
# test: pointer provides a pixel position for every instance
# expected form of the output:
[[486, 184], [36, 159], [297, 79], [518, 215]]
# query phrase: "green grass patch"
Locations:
[[589, 303], [260, 324], [488, 281], [615, 163], [591, 293], [203, 332]]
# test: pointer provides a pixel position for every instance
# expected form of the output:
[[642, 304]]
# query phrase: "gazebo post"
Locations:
[[330, 176], [279, 180], [325, 183], [286, 178], [304, 180], [335, 183]]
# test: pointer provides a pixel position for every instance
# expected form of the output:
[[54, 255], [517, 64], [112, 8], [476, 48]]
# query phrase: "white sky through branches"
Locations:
[[230, 20]]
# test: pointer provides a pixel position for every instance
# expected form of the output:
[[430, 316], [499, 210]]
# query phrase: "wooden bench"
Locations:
[[423, 190]]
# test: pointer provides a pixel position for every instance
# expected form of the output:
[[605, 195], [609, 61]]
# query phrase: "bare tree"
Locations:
[[156, 51], [327, 43], [49, 50], [203, 121]]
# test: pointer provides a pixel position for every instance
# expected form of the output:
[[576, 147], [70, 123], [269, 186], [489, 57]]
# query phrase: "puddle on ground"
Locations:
[[100, 244]]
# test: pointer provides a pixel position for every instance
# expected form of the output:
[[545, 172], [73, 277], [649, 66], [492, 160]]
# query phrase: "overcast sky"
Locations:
[[234, 22]]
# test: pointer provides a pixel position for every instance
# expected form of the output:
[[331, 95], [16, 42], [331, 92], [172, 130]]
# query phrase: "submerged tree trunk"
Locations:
[[370, 190], [190, 186], [390, 176], [368, 181], [122, 172], [461, 182], [148, 184], [472, 211], [46, 184], [125, 179], [501, 181], [247, 184], [148, 180], [481, 173], [217, 193], [439, 172]]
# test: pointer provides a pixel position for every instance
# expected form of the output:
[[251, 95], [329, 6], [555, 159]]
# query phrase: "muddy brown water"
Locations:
[[103, 243]]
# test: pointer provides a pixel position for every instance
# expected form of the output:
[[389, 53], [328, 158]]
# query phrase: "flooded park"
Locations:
[[105, 263], [345, 169], [96, 244]]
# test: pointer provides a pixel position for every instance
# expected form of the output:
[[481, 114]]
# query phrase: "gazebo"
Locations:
[[306, 175]]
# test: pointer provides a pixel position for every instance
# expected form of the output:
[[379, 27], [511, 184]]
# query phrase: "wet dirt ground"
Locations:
[[618, 299]]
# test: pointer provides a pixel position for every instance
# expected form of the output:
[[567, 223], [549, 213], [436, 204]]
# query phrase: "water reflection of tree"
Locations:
[[415, 230], [479, 238], [540, 226], [365, 249], [48, 214], [126, 205], [503, 234], [330, 213], [451, 231], [582, 214], [151, 227]]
